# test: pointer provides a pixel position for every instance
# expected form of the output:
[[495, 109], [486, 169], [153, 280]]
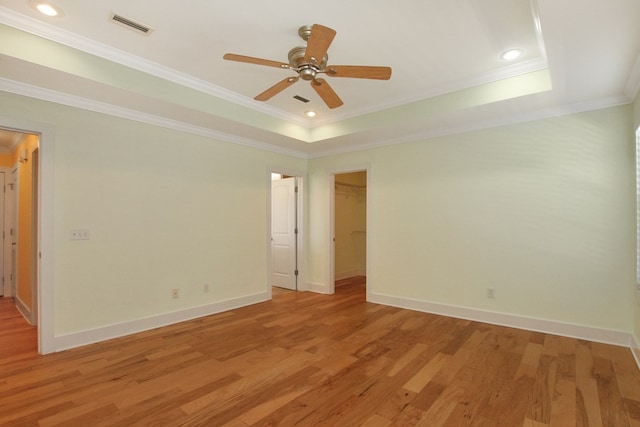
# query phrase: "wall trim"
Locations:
[[605, 336], [24, 310], [635, 349], [42, 29], [348, 274], [456, 127], [318, 288], [90, 336], [43, 94]]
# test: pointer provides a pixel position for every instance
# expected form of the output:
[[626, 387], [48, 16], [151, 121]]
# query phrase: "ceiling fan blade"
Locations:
[[276, 89], [318, 43], [252, 60], [359, 72], [326, 93]]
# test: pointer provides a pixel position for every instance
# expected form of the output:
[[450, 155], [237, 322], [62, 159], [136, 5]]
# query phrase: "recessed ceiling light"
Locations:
[[46, 8], [310, 113], [511, 54]]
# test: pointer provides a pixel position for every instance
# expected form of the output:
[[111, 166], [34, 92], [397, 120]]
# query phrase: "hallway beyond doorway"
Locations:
[[17, 338]]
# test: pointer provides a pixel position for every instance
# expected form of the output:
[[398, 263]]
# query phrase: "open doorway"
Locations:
[[285, 248], [19, 161], [350, 230]]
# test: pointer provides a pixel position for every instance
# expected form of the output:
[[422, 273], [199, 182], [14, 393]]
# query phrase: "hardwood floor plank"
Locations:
[[309, 359], [410, 416], [499, 393], [375, 421], [404, 360], [444, 405], [563, 405], [611, 403], [542, 395], [632, 407], [89, 413], [426, 374], [587, 402]]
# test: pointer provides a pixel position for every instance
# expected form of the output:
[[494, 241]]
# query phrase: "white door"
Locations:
[[283, 233]]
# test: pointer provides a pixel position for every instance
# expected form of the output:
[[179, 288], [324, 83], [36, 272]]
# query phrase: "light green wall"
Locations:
[[543, 212], [636, 112], [165, 210]]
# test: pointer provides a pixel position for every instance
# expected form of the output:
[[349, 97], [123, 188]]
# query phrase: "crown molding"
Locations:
[[470, 126], [125, 113], [43, 94], [465, 126], [502, 73], [67, 38]]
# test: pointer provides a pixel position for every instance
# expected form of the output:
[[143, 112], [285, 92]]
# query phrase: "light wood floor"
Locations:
[[308, 359]]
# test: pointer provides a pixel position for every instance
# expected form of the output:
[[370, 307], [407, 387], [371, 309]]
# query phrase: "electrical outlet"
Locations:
[[205, 288], [491, 293], [175, 293], [80, 234]]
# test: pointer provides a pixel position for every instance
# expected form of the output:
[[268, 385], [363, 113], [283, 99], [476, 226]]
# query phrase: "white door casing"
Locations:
[[9, 228], [2, 246], [283, 233], [330, 265]]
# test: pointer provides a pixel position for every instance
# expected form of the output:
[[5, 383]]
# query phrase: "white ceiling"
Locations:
[[435, 47]]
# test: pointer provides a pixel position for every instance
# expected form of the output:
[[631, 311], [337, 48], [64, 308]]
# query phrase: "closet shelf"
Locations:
[[344, 184]]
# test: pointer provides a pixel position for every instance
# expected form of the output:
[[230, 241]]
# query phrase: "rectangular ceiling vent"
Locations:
[[138, 27], [301, 99]]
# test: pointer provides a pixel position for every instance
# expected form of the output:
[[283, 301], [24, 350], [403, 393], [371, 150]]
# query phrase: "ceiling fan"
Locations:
[[309, 62]]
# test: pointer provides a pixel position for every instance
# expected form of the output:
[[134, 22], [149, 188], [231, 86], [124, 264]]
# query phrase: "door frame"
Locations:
[[45, 304], [35, 191], [331, 269], [9, 222], [3, 258], [301, 245]]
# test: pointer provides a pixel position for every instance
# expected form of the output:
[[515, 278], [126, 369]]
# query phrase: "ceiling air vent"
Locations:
[[301, 99], [141, 28]]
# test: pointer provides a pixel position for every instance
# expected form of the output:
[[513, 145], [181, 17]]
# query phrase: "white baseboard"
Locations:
[[349, 274], [605, 336], [346, 274], [25, 311], [635, 349], [318, 288], [77, 339]]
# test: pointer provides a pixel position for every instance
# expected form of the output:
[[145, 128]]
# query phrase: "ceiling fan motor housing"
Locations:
[[307, 70]]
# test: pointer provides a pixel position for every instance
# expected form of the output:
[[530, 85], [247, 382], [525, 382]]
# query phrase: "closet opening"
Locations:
[[350, 230]]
